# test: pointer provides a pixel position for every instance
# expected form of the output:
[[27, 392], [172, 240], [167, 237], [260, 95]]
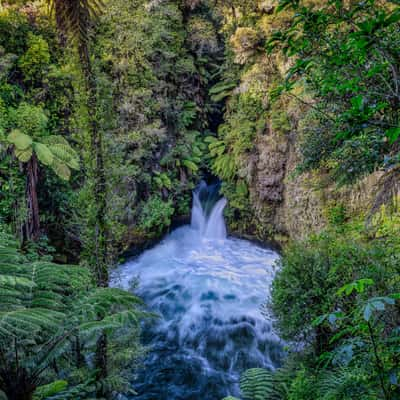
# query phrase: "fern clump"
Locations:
[[46, 311]]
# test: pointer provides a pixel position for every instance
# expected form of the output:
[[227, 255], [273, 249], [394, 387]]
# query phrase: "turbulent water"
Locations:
[[208, 291]]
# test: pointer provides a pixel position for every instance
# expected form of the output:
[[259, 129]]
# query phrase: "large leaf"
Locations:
[[43, 153], [190, 165], [63, 152], [73, 163], [55, 139], [20, 140], [42, 392], [24, 155], [66, 154], [61, 169]]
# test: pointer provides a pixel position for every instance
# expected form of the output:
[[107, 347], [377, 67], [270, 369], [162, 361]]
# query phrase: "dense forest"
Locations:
[[112, 112]]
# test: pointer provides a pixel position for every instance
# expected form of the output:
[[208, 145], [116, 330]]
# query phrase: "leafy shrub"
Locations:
[[311, 273], [156, 214], [36, 58]]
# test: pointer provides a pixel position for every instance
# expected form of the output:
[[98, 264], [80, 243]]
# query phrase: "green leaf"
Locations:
[[319, 320], [43, 153], [358, 286], [376, 304], [61, 169], [73, 163], [257, 384], [24, 155], [20, 140], [393, 17], [42, 392], [393, 134], [222, 87], [190, 165], [367, 312]]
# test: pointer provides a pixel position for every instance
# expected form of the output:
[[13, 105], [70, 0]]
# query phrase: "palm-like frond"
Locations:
[[53, 151], [75, 16]]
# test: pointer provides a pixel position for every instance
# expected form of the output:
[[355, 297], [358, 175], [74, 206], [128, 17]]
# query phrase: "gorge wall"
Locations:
[[265, 140]]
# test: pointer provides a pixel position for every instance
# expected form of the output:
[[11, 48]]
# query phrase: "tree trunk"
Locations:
[[99, 195], [19, 394], [100, 249], [60, 21], [16, 386], [33, 221], [101, 363]]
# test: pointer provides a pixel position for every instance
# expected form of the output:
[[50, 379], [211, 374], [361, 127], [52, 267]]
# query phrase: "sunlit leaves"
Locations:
[[358, 286], [19, 140], [44, 154], [31, 137]]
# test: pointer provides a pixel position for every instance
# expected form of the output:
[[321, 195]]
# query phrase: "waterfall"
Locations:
[[208, 212], [208, 295]]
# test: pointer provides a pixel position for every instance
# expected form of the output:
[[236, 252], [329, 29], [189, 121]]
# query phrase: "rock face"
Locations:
[[289, 205]]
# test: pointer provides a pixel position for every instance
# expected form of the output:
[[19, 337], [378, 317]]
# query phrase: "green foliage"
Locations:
[[349, 349], [35, 61], [316, 269], [222, 90], [337, 214], [45, 306], [30, 138], [50, 389], [243, 121], [76, 16], [156, 215], [255, 384], [348, 68]]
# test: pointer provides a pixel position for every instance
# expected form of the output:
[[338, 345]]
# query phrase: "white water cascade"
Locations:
[[208, 290], [209, 222]]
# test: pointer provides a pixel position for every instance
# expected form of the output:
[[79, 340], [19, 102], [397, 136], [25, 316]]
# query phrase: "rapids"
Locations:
[[208, 290]]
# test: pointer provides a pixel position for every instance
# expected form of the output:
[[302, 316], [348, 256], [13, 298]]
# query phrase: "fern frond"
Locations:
[[257, 384], [344, 382]]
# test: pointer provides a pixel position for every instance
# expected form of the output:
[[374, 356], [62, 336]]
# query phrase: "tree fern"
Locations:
[[43, 306], [75, 16]]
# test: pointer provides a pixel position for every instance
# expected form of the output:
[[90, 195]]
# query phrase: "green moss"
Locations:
[[279, 119]]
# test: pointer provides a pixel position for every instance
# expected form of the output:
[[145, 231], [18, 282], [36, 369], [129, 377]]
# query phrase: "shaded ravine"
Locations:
[[208, 291]]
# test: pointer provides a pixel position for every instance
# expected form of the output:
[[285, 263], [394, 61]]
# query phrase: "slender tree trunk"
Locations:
[[101, 359], [33, 222], [60, 21], [100, 246], [17, 387], [100, 249], [19, 394], [77, 350]]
